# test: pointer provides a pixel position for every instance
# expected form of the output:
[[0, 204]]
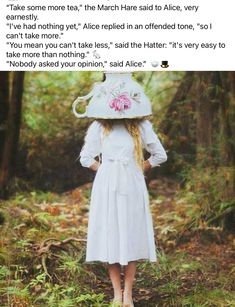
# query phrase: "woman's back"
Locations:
[[118, 144]]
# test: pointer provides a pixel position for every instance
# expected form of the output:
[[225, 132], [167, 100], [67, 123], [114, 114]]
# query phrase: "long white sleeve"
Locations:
[[152, 144], [92, 144]]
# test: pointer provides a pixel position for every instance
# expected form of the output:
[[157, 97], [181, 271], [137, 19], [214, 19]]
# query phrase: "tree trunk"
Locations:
[[179, 125], [227, 148], [12, 132], [215, 135], [4, 102], [200, 129], [227, 118], [176, 109], [208, 99]]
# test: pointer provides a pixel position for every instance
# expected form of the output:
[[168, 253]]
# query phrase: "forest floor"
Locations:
[[42, 263]]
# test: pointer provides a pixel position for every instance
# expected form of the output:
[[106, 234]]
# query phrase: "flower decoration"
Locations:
[[101, 91], [136, 96], [120, 102], [119, 97]]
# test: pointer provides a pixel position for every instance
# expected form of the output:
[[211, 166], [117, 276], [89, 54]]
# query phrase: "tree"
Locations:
[[11, 92], [200, 121], [179, 124]]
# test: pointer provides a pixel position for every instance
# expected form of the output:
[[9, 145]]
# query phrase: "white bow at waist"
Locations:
[[118, 176]]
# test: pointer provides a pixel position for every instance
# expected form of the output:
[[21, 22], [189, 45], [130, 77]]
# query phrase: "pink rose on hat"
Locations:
[[120, 102]]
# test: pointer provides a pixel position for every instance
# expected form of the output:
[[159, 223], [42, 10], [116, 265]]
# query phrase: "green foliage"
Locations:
[[11, 290], [53, 295], [180, 262], [42, 196], [174, 281], [44, 219], [160, 88], [94, 299], [71, 265], [209, 195], [4, 272], [27, 200], [39, 279], [47, 101], [4, 254], [23, 244], [65, 296], [22, 275], [202, 297]]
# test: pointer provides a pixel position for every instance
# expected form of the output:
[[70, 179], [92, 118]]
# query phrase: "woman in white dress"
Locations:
[[120, 228]]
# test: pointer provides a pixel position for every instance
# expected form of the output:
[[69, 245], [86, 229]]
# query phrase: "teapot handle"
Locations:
[[75, 103]]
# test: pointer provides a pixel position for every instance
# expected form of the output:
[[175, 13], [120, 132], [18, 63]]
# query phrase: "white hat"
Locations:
[[117, 97]]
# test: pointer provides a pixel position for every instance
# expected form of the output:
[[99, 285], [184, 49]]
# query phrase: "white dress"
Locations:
[[120, 227]]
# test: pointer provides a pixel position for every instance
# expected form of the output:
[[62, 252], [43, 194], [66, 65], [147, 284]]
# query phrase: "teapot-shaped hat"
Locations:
[[119, 96]]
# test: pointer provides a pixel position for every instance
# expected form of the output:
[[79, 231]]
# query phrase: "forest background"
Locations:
[[45, 192]]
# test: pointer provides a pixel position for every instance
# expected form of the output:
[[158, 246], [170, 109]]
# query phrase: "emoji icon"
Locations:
[[96, 55], [154, 64], [164, 64]]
